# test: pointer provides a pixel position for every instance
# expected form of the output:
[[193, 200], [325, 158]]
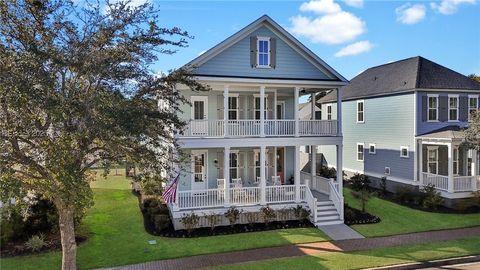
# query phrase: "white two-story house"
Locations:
[[404, 121], [243, 137]]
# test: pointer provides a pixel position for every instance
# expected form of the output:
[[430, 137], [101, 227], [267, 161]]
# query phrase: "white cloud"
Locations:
[[450, 6], [410, 14], [331, 28], [321, 7], [354, 3], [355, 48]]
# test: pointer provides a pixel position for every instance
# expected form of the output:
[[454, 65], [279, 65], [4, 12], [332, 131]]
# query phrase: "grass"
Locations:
[[118, 236], [370, 258], [398, 219]]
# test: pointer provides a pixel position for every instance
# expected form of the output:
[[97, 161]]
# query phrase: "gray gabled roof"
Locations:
[[448, 132], [266, 20], [403, 76]]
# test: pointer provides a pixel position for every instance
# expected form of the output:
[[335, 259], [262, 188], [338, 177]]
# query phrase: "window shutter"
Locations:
[[241, 106], [241, 165], [220, 164], [463, 108], [250, 106], [443, 108], [251, 166], [253, 52], [273, 52], [269, 106], [220, 107], [424, 109]]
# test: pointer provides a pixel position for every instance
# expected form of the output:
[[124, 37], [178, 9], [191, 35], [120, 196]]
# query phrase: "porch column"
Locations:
[[297, 174], [474, 171], [226, 174], [339, 111], [275, 96], [295, 108], [450, 167], [262, 111], [312, 112], [313, 163], [263, 180], [420, 161], [225, 110], [340, 168]]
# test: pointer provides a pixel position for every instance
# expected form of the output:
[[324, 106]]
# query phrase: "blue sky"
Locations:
[[369, 32]]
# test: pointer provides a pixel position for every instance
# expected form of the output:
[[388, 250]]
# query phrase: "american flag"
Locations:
[[170, 192]]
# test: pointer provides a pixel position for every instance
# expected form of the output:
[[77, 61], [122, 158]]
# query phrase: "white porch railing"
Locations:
[[317, 183], [460, 183], [439, 181], [245, 196], [200, 198], [280, 194], [336, 198], [312, 205], [251, 128]]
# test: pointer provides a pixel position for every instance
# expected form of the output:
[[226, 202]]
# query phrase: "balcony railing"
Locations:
[[460, 183], [252, 128]]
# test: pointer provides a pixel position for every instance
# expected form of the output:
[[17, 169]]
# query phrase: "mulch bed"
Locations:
[[359, 217], [53, 243]]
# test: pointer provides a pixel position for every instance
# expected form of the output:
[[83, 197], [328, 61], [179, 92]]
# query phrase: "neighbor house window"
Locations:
[[472, 105], [263, 52], [360, 111], [432, 108], [404, 151], [372, 148], [257, 107], [359, 151], [455, 161], [452, 108], [329, 112], [232, 107], [233, 165], [432, 156]]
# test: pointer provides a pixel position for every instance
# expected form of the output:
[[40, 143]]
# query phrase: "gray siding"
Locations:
[[235, 61], [389, 123]]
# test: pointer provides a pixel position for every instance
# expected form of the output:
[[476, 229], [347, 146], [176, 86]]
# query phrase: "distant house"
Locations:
[[404, 121], [243, 138]]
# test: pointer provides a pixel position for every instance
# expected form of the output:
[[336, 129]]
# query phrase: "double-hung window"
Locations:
[[455, 161], [257, 107], [360, 151], [372, 148], [360, 111], [233, 107], [432, 108], [263, 52], [432, 156], [452, 107], [472, 105], [329, 112], [233, 165]]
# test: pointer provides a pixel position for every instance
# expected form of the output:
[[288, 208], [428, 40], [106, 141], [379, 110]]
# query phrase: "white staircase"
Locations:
[[327, 214]]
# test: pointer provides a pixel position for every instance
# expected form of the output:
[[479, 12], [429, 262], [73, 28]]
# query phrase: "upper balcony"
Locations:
[[238, 112]]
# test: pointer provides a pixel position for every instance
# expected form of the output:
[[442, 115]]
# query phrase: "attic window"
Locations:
[[263, 52]]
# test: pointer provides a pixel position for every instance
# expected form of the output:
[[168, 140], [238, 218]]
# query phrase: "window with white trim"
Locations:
[[263, 52], [233, 107], [472, 105], [452, 107], [372, 148], [360, 111], [432, 108], [233, 165], [404, 151], [455, 160], [329, 112], [360, 151], [432, 159], [387, 170], [257, 107]]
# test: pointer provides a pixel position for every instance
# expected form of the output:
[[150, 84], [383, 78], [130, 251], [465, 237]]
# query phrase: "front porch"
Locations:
[[445, 163]]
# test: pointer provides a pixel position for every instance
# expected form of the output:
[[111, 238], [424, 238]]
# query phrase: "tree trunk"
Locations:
[[67, 234]]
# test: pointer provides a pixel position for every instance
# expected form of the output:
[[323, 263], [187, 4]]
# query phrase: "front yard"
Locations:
[[118, 236]]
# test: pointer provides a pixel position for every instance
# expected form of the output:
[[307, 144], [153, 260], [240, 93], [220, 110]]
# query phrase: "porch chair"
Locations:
[[237, 183], [276, 180], [220, 188]]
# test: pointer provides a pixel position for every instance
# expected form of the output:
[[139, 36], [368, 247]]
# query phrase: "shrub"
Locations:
[[383, 186], [348, 213], [359, 182], [406, 195], [363, 196], [432, 198], [190, 222], [284, 214], [35, 243], [301, 213], [160, 221], [328, 172], [213, 220], [251, 218], [232, 215], [268, 214]]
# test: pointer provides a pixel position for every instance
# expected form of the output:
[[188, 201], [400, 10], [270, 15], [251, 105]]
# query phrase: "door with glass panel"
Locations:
[[199, 124], [199, 167]]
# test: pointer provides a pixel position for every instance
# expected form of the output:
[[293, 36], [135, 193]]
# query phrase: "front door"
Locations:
[[281, 163], [199, 166], [199, 116]]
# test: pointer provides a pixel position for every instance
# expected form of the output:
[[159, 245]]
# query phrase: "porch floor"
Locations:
[[320, 196]]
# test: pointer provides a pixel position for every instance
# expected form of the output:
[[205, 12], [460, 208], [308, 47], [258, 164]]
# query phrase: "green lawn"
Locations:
[[398, 219], [118, 236], [370, 258]]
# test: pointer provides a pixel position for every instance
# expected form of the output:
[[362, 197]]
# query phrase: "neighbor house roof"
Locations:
[[448, 132], [403, 76], [282, 33]]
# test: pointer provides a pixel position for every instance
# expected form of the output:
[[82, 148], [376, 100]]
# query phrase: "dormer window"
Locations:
[[263, 52]]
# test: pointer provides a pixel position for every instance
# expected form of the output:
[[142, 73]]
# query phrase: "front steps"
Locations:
[[327, 214]]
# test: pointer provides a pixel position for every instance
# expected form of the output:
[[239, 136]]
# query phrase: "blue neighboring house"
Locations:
[[404, 121], [243, 137]]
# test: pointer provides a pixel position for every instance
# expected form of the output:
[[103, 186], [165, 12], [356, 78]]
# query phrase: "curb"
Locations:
[[427, 264]]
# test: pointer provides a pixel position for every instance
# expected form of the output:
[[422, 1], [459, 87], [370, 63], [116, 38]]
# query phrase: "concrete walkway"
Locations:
[[340, 232], [304, 249]]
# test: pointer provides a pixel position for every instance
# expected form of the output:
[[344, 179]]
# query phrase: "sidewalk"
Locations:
[[303, 249]]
